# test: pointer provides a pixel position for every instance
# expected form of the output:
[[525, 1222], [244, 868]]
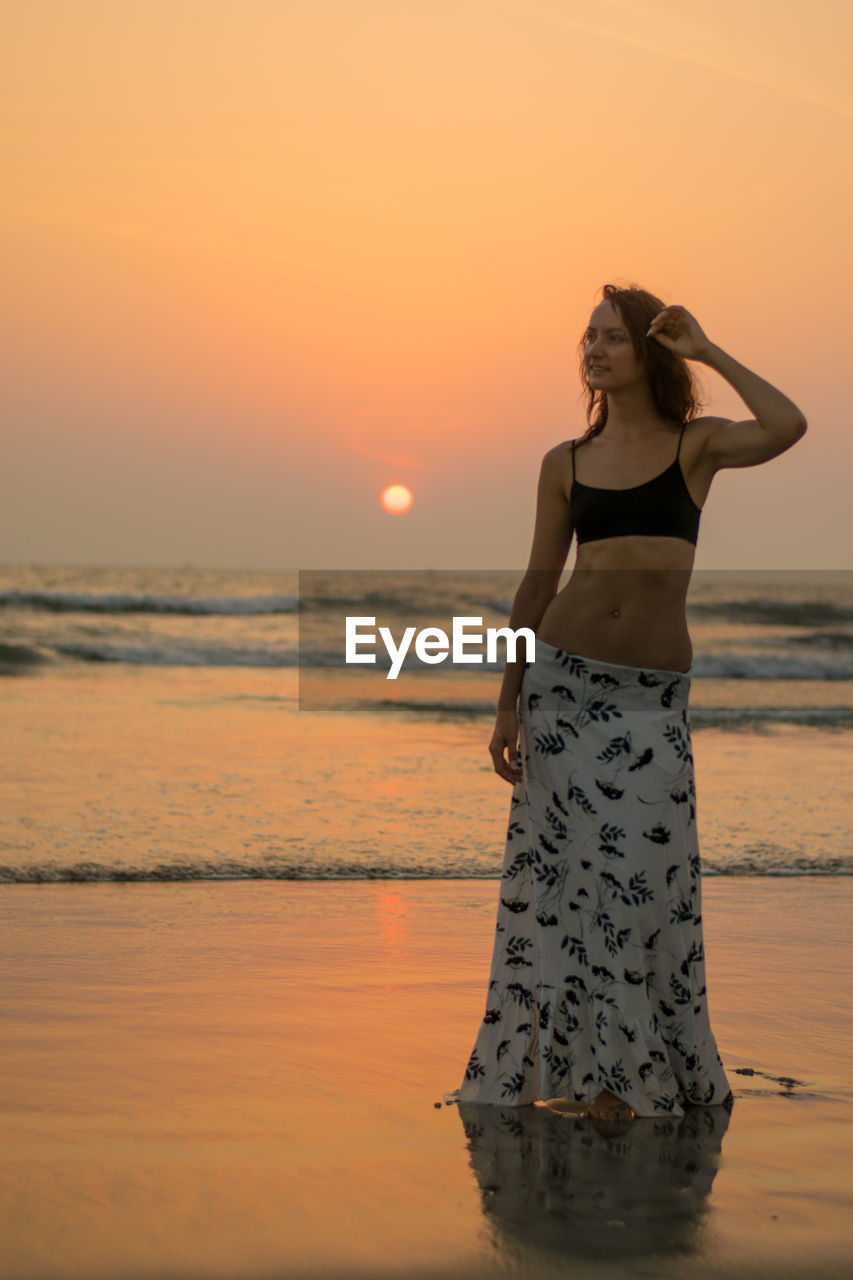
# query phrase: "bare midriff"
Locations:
[[625, 602]]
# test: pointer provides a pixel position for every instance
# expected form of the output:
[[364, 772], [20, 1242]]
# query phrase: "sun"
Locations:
[[396, 499]]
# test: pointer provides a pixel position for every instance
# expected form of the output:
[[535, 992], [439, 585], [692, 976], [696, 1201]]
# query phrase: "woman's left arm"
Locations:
[[778, 422]]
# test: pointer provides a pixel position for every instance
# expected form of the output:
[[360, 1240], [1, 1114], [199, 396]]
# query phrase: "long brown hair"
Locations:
[[672, 383]]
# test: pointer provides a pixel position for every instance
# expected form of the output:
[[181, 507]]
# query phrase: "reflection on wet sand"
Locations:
[[555, 1183]]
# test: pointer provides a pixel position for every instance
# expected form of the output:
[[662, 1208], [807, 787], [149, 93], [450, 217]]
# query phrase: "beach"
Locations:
[[248, 1079], [245, 949]]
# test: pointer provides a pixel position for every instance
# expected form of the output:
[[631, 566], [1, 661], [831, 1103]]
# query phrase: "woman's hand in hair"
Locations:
[[677, 329]]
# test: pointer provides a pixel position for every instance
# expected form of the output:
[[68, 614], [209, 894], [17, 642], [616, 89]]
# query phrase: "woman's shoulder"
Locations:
[[557, 469], [697, 433], [702, 425], [565, 447], [556, 456]]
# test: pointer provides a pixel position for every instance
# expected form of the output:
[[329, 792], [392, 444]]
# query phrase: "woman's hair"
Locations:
[[673, 385]]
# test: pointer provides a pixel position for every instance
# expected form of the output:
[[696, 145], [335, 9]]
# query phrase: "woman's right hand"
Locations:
[[505, 740]]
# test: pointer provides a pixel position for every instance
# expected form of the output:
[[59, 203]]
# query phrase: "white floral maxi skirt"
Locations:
[[598, 971]]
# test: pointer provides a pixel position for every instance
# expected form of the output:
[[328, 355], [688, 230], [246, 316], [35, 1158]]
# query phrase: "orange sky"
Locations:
[[264, 258]]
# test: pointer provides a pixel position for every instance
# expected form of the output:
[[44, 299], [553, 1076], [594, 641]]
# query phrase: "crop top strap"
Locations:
[[573, 460], [680, 438]]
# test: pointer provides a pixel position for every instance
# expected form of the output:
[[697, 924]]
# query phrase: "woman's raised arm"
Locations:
[[778, 422]]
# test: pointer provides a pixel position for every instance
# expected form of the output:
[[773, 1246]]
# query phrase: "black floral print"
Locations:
[[598, 970]]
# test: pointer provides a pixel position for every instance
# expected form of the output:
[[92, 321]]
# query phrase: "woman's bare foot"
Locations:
[[609, 1109]]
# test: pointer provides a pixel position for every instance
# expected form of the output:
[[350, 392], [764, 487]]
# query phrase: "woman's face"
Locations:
[[609, 357]]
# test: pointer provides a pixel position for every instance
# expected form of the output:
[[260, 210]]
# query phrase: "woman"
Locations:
[[597, 995]]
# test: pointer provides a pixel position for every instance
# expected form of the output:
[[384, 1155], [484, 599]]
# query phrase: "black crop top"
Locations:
[[661, 507]]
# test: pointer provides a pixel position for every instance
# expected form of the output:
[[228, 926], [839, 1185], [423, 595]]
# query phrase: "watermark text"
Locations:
[[432, 645]]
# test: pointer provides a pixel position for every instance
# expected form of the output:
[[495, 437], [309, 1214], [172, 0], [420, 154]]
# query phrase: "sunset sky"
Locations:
[[264, 258]]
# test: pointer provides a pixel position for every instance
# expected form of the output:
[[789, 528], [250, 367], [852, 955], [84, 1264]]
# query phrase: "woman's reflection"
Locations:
[[555, 1182]]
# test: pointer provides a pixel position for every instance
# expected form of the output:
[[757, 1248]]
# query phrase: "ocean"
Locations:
[[200, 724]]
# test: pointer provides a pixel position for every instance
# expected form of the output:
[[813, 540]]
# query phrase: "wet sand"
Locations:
[[217, 1079]]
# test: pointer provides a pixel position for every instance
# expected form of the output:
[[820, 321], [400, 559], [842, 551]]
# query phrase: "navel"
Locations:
[[616, 612]]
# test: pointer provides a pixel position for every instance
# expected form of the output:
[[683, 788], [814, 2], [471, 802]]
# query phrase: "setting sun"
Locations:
[[396, 499]]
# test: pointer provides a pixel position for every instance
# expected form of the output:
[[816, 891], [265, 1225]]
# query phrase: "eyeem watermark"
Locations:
[[432, 645]]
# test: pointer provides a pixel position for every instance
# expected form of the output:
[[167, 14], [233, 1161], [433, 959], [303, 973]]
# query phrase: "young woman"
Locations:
[[597, 993]]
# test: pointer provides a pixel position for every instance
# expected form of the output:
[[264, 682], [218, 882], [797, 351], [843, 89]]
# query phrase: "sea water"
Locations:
[[188, 723]]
